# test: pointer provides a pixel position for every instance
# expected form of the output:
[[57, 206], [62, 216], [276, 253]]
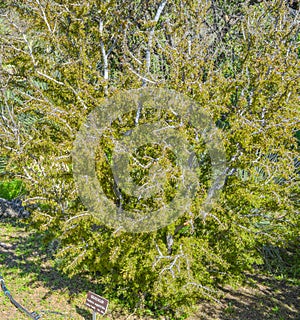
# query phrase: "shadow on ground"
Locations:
[[25, 252], [265, 298]]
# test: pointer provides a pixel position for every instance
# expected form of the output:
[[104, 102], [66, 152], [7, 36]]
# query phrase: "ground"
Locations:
[[29, 275]]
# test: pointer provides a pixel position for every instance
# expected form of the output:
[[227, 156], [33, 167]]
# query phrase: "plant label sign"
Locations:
[[96, 303]]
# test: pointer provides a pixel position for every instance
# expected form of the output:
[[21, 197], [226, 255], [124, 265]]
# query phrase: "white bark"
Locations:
[[104, 57], [148, 54]]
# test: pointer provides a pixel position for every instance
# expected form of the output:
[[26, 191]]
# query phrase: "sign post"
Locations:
[[96, 303]]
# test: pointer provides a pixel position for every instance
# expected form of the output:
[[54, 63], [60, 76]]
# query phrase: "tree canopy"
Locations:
[[238, 60]]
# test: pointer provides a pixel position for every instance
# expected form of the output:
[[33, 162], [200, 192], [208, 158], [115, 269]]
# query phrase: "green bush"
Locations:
[[11, 189], [236, 60]]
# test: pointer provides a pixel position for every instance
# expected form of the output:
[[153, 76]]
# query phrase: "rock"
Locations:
[[12, 209]]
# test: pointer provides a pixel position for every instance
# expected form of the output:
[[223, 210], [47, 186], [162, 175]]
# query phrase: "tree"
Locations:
[[237, 60]]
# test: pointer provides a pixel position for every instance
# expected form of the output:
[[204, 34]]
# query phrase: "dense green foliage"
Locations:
[[238, 60], [11, 189]]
